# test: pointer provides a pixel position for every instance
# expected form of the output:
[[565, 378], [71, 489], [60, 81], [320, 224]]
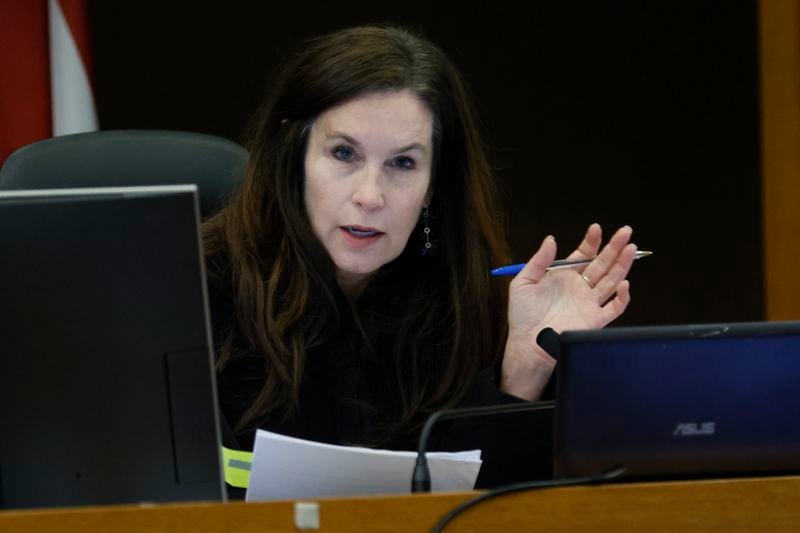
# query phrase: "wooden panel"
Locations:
[[742, 504], [780, 126]]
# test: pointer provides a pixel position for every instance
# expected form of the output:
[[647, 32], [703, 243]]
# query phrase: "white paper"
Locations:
[[287, 468]]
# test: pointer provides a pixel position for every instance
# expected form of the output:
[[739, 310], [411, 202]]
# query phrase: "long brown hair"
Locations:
[[449, 317]]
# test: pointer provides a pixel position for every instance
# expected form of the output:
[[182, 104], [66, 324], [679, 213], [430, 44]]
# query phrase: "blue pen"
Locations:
[[513, 270]]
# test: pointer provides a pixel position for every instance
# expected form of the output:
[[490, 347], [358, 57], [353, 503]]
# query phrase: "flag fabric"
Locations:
[[45, 61]]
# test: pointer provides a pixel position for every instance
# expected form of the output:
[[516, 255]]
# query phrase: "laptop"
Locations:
[[107, 384], [679, 401]]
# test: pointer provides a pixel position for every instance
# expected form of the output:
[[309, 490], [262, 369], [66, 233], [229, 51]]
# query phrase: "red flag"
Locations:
[[45, 86]]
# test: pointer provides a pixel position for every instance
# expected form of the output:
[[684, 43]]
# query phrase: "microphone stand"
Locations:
[[421, 478]]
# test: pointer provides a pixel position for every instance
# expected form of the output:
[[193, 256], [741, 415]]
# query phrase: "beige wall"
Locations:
[[780, 121]]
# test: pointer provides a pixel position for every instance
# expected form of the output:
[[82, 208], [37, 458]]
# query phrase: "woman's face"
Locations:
[[367, 178]]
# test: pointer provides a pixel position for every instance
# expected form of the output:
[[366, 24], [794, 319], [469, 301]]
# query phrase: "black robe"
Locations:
[[336, 405]]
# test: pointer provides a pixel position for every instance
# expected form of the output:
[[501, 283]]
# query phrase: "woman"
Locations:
[[349, 274]]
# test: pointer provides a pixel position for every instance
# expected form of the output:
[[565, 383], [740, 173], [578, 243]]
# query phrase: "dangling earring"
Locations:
[[429, 245]]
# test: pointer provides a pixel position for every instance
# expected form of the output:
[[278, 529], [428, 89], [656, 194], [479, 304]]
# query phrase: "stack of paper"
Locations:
[[289, 468]]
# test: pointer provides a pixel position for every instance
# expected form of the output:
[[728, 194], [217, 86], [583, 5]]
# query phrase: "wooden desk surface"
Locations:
[[752, 504]]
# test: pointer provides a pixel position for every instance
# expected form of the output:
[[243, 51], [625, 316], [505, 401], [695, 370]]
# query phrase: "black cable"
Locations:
[[528, 485]]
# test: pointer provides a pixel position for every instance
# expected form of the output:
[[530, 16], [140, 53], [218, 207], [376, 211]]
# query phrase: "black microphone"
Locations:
[[421, 478], [548, 339]]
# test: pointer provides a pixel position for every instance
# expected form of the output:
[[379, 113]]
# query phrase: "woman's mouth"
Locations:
[[360, 236], [360, 231]]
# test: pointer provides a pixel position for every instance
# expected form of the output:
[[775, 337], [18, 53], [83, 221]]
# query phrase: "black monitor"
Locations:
[[107, 390], [699, 400]]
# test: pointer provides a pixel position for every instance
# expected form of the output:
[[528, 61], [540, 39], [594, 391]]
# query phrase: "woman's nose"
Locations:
[[368, 193]]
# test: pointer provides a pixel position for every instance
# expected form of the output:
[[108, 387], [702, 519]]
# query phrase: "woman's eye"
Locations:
[[405, 163], [343, 153]]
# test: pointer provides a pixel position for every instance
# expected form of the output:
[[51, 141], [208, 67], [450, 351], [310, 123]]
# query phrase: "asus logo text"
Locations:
[[692, 429]]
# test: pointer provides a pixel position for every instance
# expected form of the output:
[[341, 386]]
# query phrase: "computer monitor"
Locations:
[[107, 390], [703, 400]]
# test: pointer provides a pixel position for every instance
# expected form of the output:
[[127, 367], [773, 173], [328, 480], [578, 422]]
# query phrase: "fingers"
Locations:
[[536, 268], [603, 275], [590, 244], [617, 306], [608, 256], [608, 284]]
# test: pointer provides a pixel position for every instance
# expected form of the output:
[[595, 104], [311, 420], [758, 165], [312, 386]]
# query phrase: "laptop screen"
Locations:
[[679, 401]]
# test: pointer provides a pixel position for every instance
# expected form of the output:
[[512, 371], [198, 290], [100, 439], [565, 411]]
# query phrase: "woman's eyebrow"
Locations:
[[413, 146], [350, 140]]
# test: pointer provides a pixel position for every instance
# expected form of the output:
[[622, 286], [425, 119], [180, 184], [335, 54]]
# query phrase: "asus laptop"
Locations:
[[679, 401]]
